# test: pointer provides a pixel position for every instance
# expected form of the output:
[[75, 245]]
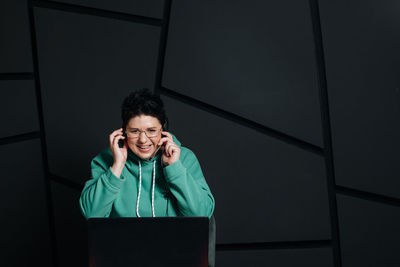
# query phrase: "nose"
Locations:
[[142, 137]]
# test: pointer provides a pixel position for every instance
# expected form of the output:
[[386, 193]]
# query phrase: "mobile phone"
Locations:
[[122, 141], [155, 152], [157, 149]]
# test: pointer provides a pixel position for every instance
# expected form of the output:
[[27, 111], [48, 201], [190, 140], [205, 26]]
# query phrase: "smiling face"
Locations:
[[142, 145]]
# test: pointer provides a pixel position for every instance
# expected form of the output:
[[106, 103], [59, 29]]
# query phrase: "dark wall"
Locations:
[[292, 108]]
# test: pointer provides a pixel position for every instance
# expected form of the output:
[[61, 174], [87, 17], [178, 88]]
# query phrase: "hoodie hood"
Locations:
[[132, 156]]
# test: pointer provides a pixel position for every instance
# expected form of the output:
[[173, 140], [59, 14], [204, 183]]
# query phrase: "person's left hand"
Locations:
[[171, 151]]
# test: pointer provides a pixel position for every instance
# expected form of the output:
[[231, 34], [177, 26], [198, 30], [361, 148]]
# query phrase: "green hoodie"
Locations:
[[179, 190]]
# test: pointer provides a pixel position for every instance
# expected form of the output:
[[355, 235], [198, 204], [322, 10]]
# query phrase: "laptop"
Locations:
[[160, 241]]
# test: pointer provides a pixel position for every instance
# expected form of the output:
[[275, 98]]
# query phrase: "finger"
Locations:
[[118, 131], [119, 135], [174, 149], [113, 141], [167, 134], [166, 150], [116, 139], [114, 133], [163, 141], [162, 150], [171, 150]]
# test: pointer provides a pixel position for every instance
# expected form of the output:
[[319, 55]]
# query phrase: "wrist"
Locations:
[[117, 164], [117, 169]]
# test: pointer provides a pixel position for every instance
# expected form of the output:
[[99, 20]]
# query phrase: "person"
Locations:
[[149, 174]]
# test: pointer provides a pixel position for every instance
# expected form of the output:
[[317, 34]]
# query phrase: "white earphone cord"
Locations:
[[140, 188]]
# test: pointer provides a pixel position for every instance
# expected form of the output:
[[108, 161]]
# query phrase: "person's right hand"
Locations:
[[119, 153]]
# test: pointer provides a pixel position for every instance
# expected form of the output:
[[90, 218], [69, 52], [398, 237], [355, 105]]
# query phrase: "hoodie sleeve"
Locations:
[[102, 189], [188, 186]]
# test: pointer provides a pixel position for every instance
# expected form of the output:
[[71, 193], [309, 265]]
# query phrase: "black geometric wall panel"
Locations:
[[265, 190], [87, 66], [24, 224], [70, 225], [239, 79], [147, 8], [369, 233], [363, 66], [15, 44], [316, 257], [253, 58], [18, 111]]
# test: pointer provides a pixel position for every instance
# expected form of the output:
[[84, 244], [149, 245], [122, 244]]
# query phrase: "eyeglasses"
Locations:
[[150, 133]]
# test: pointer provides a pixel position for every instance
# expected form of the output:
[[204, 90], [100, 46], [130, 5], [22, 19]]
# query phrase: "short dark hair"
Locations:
[[143, 102]]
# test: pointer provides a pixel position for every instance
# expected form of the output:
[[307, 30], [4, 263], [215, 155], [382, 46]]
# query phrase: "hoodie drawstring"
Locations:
[[140, 187]]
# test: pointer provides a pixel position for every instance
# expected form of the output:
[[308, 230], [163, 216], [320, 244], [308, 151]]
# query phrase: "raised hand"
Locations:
[[120, 154], [171, 151]]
